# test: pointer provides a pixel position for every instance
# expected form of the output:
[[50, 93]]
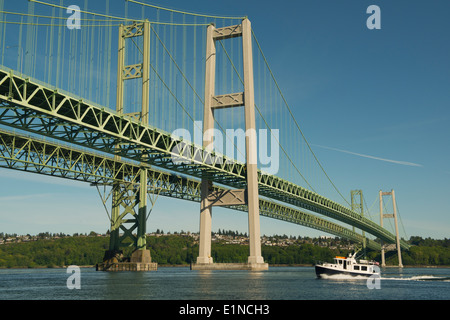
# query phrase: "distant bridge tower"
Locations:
[[358, 206], [250, 195], [394, 215]]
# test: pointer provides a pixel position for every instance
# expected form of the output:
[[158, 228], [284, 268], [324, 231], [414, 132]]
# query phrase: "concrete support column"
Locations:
[[208, 139], [399, 253], [205, 225], [383, 262], [142, 212], [251, 143]]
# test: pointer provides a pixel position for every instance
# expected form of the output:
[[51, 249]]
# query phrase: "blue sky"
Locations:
[[374, 105]]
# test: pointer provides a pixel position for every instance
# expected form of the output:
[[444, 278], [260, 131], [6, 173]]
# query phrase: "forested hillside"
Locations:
[[181, 250]]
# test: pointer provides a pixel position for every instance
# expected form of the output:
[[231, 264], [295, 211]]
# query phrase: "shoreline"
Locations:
[[187, 266]]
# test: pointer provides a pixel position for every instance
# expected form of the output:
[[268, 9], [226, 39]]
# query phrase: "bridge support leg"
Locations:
[[114, 237], [251, 150], [383, 262], [205, 225], [129, 215], [142, 211], [399, 252]]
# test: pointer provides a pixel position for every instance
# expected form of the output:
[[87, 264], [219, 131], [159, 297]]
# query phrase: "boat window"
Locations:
[[364, 268], [356, 267]]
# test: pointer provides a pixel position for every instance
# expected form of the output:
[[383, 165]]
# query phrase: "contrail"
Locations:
[[405, 163]]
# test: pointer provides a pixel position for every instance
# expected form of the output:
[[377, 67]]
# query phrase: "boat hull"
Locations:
[[323, 272]]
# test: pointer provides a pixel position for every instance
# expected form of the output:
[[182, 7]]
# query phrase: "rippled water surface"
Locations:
[[279, 283]]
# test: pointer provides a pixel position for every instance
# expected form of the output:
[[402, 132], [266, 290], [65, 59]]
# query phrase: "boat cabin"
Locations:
[[351, 264]]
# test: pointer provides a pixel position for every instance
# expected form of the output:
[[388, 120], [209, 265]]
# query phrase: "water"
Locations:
[[279, 283]]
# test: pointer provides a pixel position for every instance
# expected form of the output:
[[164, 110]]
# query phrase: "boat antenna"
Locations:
[[357, 250]]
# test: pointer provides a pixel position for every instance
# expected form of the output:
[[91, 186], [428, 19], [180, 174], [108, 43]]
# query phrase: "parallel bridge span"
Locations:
[[38, 108], [31, 154]]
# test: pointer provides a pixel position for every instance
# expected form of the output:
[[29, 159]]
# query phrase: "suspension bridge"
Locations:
[[142, 101]]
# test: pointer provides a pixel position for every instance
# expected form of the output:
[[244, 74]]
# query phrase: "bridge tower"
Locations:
[[129, 201], [394, 215], [250, 195], [357, 205]]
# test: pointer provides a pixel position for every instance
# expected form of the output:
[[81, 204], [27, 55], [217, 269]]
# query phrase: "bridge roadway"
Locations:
[[41, 109]]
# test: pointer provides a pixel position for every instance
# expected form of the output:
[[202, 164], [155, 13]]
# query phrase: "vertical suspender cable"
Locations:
[[194, 69], [170, 82], [163, 93], [184, 69], [58, 55], [174, 78], [3, 40], [20, 50], [70, 60], [51, 48], [35, 48], [63, 64], [232, 85], [29, 40], [156, 92], [2, 33], [91, 51], [108, 67], [99, 63], [46, 52]]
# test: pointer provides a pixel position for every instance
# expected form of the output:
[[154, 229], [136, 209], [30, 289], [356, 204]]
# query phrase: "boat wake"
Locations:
[[418, 278], [413, 278]]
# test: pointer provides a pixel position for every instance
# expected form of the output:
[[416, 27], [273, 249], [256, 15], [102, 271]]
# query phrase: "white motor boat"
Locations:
[[348, 266]]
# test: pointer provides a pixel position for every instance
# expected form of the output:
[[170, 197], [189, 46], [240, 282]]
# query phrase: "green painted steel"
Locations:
[[31, 154], [38, 108]]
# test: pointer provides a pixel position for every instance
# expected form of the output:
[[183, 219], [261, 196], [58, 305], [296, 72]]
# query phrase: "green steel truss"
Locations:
[[40, 109], [126, 217], [35, 155]]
